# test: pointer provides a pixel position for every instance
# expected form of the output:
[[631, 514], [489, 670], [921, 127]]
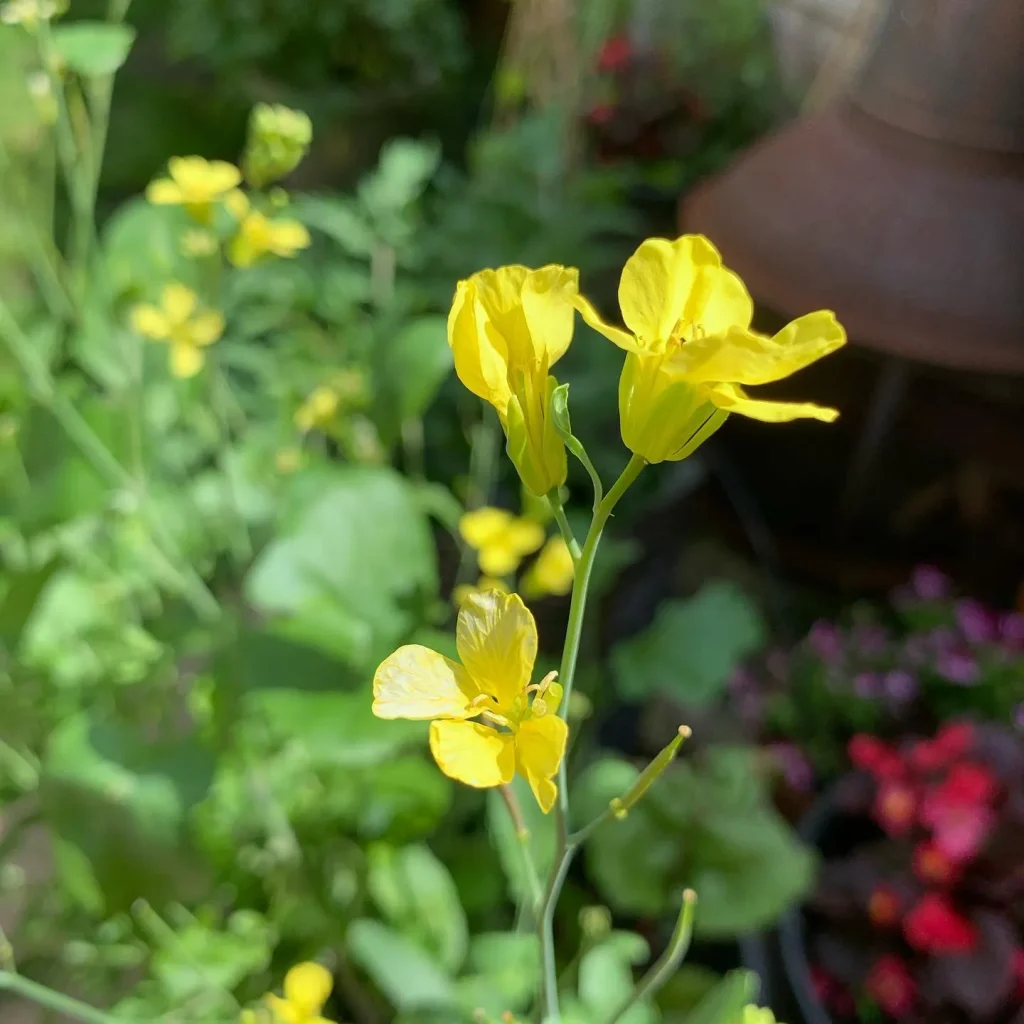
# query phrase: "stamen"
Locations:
[[497, 719]]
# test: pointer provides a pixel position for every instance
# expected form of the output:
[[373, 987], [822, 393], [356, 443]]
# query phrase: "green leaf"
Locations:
[[606, 982], [692, 647], [93, 48], [406, 798], [142, 250], [21, 593], [724, 1003], [412, 365], [408, 976], [415, 893], [364, 543], [509, 964], [405, 167], [337, 218], [334, 728], [540, 843]]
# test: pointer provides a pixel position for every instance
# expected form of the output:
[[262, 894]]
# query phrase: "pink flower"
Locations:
[[950, 743], [1011, 629], [870, 754], [826, 641], [976, 622], [958, 812], [929, 583], [900, 686], [889, 983], [958, 667], [795, 767], [935, 926]]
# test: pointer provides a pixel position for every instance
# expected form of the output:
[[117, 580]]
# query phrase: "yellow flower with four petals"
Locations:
[[500, 539], [318, 409], [306, 989], [180, 321], [552, 572], [689, 349], [195, 183], [488, 721], [507, 328], [464, 590], [259, 235]]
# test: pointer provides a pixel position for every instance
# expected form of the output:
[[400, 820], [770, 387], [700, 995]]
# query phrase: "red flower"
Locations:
[[969, 783], [600, 113], [1018, 973], [933, 865], [895, 807], [927, 756], [957, 810], [615, 54], [870, 754], [890, 985], [884, 907], [955, 739], [935, 926]]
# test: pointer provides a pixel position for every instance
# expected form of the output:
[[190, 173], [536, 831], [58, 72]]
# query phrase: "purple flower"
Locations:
[[1011, 629], [976, 622], [929, 583], [958, 667], [900, 686], [795, 767], [826, 640], [867, 685]]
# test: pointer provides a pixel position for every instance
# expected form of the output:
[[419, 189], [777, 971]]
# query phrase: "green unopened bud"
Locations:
[[753, 1014], [534, 446], [595, 922], [559, 411], [278, 140], [621, 805]]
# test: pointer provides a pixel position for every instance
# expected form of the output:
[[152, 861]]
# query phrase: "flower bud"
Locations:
[[534, 446], [278, 140]]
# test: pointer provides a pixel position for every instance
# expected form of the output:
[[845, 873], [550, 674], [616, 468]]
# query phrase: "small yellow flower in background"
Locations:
[[496, 638], [197, 242], [30, 12], [288, 460], [195, 183], [465, 590], [552, 572], [318, 410], [500, 539], [507, 328], [689, 348], [181, 322], [306, 989], [259, 235]]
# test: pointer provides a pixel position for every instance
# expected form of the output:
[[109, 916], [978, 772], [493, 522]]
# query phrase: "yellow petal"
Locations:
[[307, 986], [524, 536], [484, 525], [221, 176], [553, 571], [496, 637], [186, 360], [237, 203], [472, 753], [287, 237], [721, 302], [540, 747], [201, 180], [732, 398], [206, 328], [464, 590], [283, 1011], [241, 252], [178, 302], [416, 682], [150, 322], [615, 334], [658, 283], [547, 297], [164, 192], [480, 356]]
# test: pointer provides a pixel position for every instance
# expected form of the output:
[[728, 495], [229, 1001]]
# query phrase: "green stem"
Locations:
[[577, 609], [563, 525], [56, 1001], [576, 447], [668, 963]]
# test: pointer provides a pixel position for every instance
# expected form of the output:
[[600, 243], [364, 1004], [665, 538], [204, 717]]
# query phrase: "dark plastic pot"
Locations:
[[792, 926]]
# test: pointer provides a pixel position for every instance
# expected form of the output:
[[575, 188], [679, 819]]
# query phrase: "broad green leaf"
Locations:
[[336, 217], [93, 48], [724, 1003], [606, 982], [540, 843], [409, 977], [415, 893], [508, 964], [411, 367], [334, 727], [142, 251], [692, 647], [364, 543], [21, 593], [405, 167], [406, 798]]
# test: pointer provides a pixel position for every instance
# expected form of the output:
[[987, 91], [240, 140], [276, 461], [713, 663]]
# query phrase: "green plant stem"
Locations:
[[576, 447], [565, 850], [668, 963], [563, 525], [56, 1001]]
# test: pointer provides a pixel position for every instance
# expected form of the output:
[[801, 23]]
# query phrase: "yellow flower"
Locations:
[[690, 348], [195, 183], [552, 572], [179, 321], [259, 235], [306, 988], [317, 410], [496, 639], [30, 12], [464, 590], [507, 328], [500, 539]]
